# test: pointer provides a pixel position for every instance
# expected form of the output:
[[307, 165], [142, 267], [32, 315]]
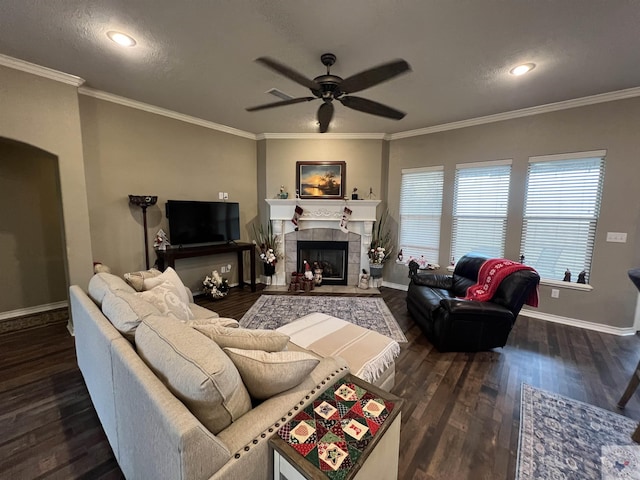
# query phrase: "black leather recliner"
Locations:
[[436, 303]]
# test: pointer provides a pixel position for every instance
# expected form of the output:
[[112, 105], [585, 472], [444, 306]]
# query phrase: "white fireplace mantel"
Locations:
[[324, 214], [362, 210]]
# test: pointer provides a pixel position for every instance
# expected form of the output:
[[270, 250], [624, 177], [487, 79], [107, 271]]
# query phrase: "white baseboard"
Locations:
[[33, 310], [574, 322], [396, 286]]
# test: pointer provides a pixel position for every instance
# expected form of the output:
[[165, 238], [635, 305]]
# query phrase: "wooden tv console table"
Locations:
[[168, 257]]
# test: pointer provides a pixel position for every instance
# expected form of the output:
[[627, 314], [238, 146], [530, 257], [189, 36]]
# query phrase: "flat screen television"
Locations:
[[195, 222]]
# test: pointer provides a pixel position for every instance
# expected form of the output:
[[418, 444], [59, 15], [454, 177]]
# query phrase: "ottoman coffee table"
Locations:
[[370, 355], [351, 431]]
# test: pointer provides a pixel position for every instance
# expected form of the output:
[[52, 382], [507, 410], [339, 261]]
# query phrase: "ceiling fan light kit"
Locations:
[[330, 87]]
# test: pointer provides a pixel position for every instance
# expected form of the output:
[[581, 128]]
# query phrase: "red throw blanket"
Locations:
[[491, 273]]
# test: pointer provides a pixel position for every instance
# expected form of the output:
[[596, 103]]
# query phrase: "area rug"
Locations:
[[561, 438], [273, 311]]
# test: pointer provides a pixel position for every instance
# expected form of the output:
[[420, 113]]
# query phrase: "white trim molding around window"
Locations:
[[561, 212], [420, 212], [480, 201]]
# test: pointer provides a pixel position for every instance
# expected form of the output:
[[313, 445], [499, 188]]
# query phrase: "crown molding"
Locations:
[[127, 102], [75, 81], [525, 112], [321, 136], [40, 71]]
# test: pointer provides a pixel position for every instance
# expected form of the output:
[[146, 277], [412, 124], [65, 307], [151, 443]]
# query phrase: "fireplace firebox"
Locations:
[[330, 256]]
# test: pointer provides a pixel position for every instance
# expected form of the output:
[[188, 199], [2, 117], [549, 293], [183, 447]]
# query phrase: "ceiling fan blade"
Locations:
[[369, 106], [373, 76], [280, 104], [288, 72], [325, 114]]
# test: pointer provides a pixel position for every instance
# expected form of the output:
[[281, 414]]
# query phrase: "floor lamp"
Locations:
[[144, 201]]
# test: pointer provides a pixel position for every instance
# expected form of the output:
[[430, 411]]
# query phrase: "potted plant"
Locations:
[[381, 246], [268, 247]]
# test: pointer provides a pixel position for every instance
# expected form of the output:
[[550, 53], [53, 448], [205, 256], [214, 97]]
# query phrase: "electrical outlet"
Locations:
[[226, 196], [220, 196], [555, 293], [618, 237], [223, 269]]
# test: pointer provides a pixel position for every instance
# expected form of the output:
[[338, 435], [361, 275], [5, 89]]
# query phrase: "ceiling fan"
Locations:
[[331, 87]]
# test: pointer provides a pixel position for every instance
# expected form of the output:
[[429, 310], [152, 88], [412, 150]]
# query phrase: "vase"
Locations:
[[269, 270], [375, 269]]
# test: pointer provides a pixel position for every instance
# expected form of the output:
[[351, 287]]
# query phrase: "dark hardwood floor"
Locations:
[[460, 420]]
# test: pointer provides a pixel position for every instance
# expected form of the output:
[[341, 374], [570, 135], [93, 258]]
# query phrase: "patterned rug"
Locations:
[[561, 438], [273, 311]]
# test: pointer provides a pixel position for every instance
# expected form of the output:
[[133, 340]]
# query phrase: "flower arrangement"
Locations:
[[381, 246], [215, 285], [267, 244]]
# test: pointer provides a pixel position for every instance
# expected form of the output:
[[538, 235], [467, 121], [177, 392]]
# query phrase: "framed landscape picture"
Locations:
[[321, 179]]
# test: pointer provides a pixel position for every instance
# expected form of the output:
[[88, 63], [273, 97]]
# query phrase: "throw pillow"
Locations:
[[166, 299], [169, 275], [266, 340], [125, 310], [103, 283], [136, 279], [267, 374], [195, 370]]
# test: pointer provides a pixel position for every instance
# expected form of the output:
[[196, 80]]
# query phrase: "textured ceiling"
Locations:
[[197, 57]]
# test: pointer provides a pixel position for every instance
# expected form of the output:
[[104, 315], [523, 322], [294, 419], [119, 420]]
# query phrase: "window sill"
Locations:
[[556, 283], [568, 285]]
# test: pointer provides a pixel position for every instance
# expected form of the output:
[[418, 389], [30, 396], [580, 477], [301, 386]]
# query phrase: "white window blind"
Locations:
[[561, 213], [481, 196], [420, 212]]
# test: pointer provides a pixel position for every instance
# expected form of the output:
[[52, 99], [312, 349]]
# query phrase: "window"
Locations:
[[481, 195], [561, 212], [420, 211]]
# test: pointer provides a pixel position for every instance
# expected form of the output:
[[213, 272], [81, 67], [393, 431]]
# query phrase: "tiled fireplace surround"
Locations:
[[320, 221]]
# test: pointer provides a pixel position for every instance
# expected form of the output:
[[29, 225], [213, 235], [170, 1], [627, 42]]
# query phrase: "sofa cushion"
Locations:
[[214, 320], [247, 339], [266, 374], [195, 370], [169, 275], [102, 283], [202, 313], [166, 298], [125, 310], [136, 279]]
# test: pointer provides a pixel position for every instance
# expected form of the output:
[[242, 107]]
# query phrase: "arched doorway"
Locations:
[[32, 252]]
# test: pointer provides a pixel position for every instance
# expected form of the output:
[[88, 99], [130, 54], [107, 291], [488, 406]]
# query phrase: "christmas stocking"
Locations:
[[346, 215], [296, 215]]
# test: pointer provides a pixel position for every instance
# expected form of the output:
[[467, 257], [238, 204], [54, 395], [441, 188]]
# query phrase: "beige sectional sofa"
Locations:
[[136, 373]]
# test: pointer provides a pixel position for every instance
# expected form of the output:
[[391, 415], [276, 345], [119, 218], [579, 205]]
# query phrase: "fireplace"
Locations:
[[321, 221], [330, 256]]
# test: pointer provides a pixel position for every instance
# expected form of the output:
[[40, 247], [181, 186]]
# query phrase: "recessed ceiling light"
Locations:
[[121, 39], [522, 69]]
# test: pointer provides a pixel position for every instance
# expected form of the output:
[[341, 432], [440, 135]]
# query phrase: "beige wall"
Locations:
[[611, 126], [363, 163], [31, 239], [44, 113], [129, 151]]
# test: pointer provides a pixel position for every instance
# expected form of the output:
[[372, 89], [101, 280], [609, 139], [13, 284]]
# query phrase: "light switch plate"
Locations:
[[618, 237]]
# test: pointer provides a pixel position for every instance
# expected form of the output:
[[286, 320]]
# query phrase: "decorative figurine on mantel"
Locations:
[[354, 193], [567, 276], [283, 194], [161, 242]]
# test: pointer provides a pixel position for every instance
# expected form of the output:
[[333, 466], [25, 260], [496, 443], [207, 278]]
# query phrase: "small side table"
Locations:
[[351, 432]]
